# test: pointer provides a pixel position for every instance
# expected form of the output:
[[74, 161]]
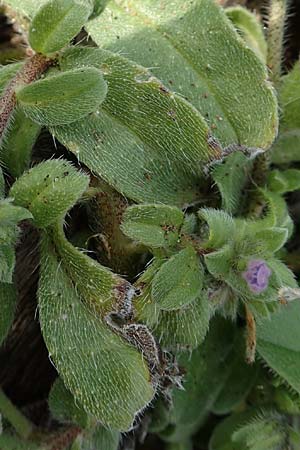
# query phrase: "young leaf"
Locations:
[[286, 147], [7, 73], [63, 98], [153, 225], [231, 177], [179, 280], [145, 141], [16, 147], [49, 190], [231, 91], [8, 300], [104, 373], [56, 23], [63, 407], [222, 227], [278, 343], [248, 25]]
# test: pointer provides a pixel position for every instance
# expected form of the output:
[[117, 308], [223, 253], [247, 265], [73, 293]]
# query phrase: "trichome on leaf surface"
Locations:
[[149, 156]]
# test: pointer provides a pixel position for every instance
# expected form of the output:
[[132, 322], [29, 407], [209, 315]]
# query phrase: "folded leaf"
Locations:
[[179, 281], [208, 64], [49, 190], [283, 181], [153, 225], [105, 374], [222, 227], [102, 439], [63, 98], [56, 23]]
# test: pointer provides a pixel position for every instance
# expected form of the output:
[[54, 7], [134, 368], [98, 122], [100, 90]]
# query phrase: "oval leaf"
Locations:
[[179, 281], [63, 98], [153, 225], [49, 190], [56, 23]]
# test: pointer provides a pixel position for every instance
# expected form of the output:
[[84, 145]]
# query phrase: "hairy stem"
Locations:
[[277, 17], [21, 424], [32, 69]]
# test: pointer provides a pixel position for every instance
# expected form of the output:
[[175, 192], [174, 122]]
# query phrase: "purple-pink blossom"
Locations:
[[257, 275]]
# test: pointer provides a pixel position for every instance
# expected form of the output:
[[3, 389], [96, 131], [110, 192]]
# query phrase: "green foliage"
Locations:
[[49, 190], [173, 287], [138, 131], [56, 23], [55, 100]]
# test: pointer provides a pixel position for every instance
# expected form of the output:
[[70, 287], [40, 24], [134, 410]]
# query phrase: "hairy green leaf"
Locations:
[[278, 343], [249, 27], [8, 300], [63, 98], [56, 23], [63, 407], [222, 227], [208, 64], [179, 281], [7, 73], [283, 181], [153, 225], [16, 147], [49, 190], [146, 141], [102, 439], [10, 442], [109, 377]]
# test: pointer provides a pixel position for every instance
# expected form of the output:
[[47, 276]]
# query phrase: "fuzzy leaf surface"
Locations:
[[63, 98], [209, 64], [49, 190], [153, 225], [102, 439], [278, 343], [146, 141], [108, 377], [179, 280], [56, 23], [283, 181]]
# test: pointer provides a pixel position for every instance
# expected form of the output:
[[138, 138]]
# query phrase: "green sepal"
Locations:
[[249, 27], [153, 225], [231, 177], [278, 343], [49, 190], [64, 408], [179, 281], [108, 377], [282, 181], [8, 301], [63, 98], [56, 23], [16, 147]]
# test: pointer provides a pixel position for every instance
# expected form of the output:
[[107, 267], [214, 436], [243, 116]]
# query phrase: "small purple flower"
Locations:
[[257, 275]]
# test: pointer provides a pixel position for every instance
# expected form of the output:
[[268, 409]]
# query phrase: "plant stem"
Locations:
[[251, 336], [277, 16], [21, 424], [32, 69]]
